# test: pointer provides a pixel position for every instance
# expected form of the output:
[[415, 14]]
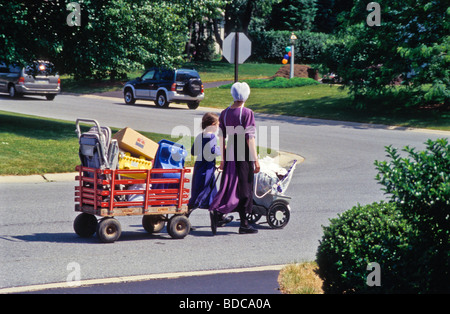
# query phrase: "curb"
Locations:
[[38, 178]]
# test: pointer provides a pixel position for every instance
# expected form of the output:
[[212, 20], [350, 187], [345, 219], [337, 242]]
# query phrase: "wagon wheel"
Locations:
[[278, 215], [85, 225], [153, 223], [109, 230], [178, 227]]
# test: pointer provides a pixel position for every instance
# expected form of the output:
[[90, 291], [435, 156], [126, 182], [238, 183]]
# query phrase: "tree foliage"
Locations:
[[411, 45], [294, 15], [114, 35]]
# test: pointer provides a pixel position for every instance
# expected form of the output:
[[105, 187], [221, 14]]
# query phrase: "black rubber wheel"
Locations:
[[12, 91], [50, 97], [153, 223], [85, 225], [278, 215], [193, 105], [109, 230], [161, 100], [253, 217], [178, 227], [129, 97]]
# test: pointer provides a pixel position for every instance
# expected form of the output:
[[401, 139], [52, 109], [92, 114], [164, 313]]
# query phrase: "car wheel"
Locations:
[[193, 105], [50, 97], [12, 91], [129, 97], [161, 100]]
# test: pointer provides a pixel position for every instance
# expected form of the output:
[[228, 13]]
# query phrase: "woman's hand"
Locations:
[[257, 167], [222, 163]]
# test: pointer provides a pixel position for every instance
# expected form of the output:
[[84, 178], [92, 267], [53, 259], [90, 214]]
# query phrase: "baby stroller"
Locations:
[[97, 149], [269, 197]]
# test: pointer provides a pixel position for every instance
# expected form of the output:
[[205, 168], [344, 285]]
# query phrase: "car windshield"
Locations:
[[185, 75], [148, 75], [41, 68]]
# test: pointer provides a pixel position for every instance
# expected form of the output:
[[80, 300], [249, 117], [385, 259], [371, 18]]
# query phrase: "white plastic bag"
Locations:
[[136, 197], [267, 178]]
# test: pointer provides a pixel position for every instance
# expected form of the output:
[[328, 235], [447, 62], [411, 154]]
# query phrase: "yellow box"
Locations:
[[131, 163]]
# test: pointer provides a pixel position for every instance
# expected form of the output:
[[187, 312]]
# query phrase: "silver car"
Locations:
[[38, 78]]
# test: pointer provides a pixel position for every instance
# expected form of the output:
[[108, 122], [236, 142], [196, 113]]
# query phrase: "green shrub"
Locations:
[[360, 236], [278, 82], [409, 237], [420, 184]]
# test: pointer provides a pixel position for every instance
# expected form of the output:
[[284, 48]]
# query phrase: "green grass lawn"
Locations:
[[223, 71], [35, 145]]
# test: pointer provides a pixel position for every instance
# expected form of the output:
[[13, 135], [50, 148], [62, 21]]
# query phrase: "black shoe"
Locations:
[[245, 230], [213, 216], [224, 220]]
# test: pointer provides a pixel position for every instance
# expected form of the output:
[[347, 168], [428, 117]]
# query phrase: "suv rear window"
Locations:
[[185, 75], [41, 68]]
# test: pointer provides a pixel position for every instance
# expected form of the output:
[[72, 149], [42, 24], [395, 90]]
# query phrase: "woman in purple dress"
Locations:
[[239, 162]]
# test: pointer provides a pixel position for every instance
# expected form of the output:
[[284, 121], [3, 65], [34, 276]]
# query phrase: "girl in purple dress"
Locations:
[[239, 162], [205, 148]]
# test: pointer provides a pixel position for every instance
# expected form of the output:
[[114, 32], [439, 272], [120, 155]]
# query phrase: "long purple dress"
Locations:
[[236, 187], [203, 188]]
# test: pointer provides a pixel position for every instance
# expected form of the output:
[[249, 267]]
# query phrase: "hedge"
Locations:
[[269, 46]]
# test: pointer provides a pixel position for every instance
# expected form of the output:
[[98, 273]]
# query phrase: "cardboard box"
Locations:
[[136, 144]]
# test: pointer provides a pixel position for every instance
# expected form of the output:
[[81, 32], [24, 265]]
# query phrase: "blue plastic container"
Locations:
[[169, 155]]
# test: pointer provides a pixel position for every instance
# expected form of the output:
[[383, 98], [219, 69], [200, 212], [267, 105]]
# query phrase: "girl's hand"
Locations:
[[222, 163]]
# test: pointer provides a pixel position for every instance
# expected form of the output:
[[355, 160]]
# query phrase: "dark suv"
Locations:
[[38, 78], [165, 86]]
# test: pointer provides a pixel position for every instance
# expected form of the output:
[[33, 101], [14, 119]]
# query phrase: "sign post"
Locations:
[[293, 39], [236, 47]]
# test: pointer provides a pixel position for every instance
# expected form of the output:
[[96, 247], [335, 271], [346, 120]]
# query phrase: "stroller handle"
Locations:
[[77, 124]]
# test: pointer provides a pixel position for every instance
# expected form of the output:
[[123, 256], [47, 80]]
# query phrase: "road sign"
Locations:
[[244, 47]]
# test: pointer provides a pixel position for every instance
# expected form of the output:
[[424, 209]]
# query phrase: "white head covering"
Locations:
[[240, 91]]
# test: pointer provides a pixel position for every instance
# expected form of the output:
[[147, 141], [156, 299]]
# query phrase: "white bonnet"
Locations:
[[240, 91]]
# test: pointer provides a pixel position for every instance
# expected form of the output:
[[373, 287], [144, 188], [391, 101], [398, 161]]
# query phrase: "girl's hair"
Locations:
[[208, 119]]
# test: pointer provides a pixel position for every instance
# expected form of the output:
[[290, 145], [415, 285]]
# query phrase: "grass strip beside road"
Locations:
[[35, 145], [300, 278]]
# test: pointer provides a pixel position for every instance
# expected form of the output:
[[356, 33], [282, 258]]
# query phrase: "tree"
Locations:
[[239, 13], [203, 21], [411, 43], [114, 36], [293, 15]]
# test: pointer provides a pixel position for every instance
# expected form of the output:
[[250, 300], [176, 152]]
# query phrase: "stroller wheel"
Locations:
[[253, 217], [278, 215]]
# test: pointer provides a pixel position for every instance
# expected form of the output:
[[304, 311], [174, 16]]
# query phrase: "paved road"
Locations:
[[229, 283], [37, 242]]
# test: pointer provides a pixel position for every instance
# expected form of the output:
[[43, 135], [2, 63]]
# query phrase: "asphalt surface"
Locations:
[[37, 241], [249, 282]]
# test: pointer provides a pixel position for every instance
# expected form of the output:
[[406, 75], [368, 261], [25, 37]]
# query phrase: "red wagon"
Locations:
[[104, 193]]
